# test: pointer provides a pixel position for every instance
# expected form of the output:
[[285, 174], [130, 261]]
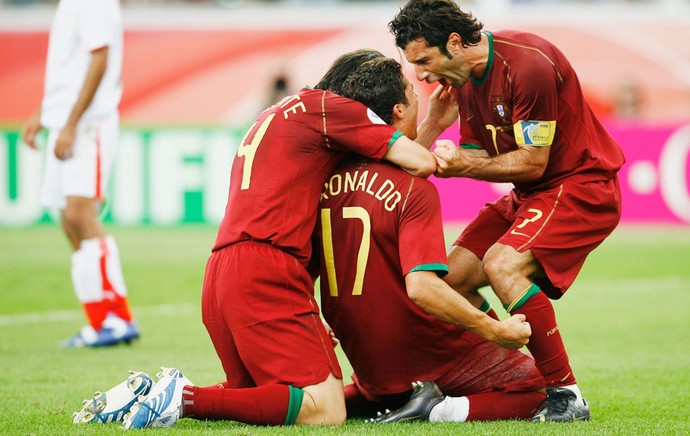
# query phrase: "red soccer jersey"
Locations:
[[378, 223], [530, 95], [283, 162]]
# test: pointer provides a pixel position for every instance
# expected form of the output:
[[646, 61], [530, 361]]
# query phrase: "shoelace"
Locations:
[[559, 403]]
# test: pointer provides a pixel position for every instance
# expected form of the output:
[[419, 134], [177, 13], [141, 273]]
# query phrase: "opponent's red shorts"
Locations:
[[259, 309], [560, 226]]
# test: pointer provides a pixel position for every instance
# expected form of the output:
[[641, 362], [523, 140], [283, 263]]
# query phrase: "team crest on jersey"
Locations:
[[501, 111], [374, 118]]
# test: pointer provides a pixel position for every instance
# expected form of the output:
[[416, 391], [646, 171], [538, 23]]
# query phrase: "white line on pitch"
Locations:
[[72, 315]]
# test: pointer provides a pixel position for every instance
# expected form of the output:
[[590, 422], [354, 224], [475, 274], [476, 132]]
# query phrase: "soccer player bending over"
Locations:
[[523, 120]]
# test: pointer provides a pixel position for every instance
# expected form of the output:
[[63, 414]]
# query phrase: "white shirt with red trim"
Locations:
[[80, 27]]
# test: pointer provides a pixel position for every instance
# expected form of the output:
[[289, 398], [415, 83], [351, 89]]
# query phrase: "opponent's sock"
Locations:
[[113, 281], [86, 279], [96, 312], [492, 406], [545, 344], [263, 405], [451, 409]]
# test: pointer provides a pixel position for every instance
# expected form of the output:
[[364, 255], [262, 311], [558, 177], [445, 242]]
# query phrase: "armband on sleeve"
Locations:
[[535, 133]]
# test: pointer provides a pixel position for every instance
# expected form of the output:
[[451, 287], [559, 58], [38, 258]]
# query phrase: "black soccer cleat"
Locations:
[[561, 405], [424, 397]]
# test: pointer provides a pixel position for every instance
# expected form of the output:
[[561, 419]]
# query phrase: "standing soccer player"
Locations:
[[82, 91], [382, 294], [523, 119]]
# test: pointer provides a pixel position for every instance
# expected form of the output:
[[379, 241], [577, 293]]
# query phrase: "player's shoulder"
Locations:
[[527, 52], [518, 38], [327, 99]]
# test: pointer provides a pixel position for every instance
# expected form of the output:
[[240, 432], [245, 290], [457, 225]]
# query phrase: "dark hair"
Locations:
[[378, 84], [434, 20], [342, 67]]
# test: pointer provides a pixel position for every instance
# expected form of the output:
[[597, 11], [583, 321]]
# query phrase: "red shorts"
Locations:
[[560, 227], [259, 309]]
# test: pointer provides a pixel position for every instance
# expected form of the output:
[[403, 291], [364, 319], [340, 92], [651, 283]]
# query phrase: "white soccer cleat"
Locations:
[[112, 405], [161, 407]]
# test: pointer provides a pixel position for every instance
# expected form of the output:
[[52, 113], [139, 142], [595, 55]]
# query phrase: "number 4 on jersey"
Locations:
[[248, 151]]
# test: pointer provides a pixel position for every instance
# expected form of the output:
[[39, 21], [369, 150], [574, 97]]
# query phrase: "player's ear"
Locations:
[[454, 43], [398, 112]]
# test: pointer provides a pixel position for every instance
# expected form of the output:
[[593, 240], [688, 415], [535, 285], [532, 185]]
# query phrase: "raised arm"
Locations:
[[442, 113]]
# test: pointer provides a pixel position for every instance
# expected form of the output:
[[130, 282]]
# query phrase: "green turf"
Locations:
[[626, 323]]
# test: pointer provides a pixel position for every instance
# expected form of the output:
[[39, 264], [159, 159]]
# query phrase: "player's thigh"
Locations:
[[87, 172], [487, 227], [52, 194], [465, 272], [236, 374], [560, 227], [266, 298], [220, 334], [488, 367]]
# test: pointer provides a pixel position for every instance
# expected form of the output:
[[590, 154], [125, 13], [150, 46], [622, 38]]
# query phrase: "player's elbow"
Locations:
[[425, 167], [417, 286]]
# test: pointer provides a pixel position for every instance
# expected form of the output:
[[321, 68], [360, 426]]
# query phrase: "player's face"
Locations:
[[408, 122], [432, 66]]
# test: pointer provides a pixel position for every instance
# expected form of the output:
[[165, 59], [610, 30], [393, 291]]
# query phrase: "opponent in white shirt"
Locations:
[[81, 93]]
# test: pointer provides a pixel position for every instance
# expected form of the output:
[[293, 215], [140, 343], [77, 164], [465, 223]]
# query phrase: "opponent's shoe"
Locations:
[[112, 405], [113, 332], [562, 405], [124, 331], [87, 336], [161, 407], [424, 397]]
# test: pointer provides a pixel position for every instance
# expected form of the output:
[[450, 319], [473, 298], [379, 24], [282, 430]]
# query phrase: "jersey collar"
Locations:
[[489, 62]]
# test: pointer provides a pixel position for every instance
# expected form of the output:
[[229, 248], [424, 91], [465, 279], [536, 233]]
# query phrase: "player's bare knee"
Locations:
[[496, 267], [314, 412], [323, 404]]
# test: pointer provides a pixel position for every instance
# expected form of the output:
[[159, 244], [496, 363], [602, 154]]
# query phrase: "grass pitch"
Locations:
[[626, 324]]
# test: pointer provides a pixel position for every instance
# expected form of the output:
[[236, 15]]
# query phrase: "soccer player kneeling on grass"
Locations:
[[257, 300]]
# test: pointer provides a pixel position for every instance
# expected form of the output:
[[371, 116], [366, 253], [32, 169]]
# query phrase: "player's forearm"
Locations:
[[517, 166], [94, 75], [412, 157], [436, 298]]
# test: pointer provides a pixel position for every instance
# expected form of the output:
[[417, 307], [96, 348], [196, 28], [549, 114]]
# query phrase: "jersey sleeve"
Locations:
[[421, 240], [535, 103], [94, 25], [467, 137], [349, 125]]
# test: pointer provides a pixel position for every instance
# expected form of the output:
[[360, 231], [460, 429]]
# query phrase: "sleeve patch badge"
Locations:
[[536, 133]]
